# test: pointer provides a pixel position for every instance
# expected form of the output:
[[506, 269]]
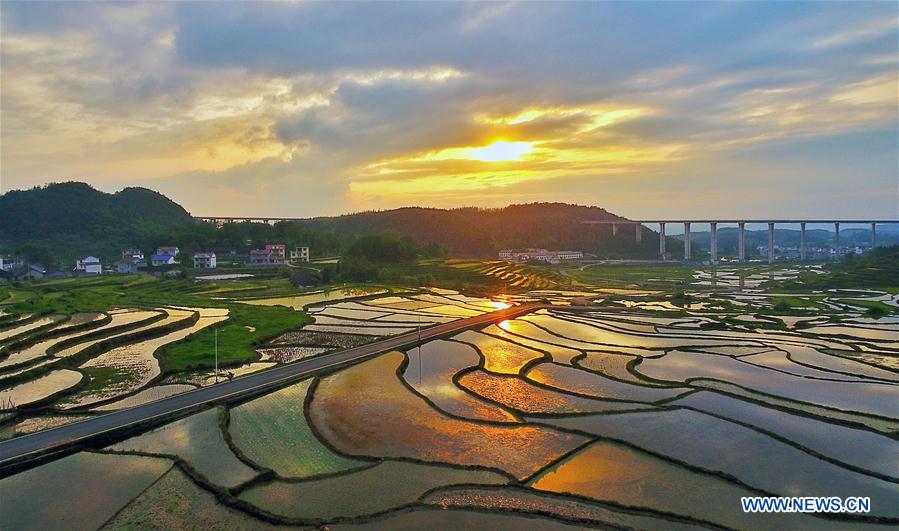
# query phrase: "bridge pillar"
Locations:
[[662, 241], [770, 243], [873, 235], [836, 235], [714, 230], [741, 242], [802, 241], [639, 232], [687, 241], [614, 229]]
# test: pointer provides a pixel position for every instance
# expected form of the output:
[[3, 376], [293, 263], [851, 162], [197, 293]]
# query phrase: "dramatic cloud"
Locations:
[[313, 108]]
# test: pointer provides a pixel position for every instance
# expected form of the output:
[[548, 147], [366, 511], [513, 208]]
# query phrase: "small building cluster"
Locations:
[[276, 254], [813, 252], [17, 269], [164, 262], [540, 255]]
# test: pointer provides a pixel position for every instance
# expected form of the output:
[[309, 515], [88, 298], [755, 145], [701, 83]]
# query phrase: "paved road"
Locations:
[[28, 446]]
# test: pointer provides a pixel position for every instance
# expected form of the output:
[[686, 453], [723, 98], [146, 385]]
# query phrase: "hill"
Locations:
[[54, 224], [481, 232], [73, 218]]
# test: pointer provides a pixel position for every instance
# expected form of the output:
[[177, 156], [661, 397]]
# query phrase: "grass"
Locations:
[[442, 274], [792, 302], [874, 307], [104, 377], [74, 295], [628, 275], [876, 269], [516, 276], [236, 343]]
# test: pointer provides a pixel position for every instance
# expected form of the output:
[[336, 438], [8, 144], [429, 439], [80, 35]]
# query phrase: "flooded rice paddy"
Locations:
[[616, 415]]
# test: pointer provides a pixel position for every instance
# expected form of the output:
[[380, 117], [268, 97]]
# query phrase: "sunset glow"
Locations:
[[500, 151], [641, 117]]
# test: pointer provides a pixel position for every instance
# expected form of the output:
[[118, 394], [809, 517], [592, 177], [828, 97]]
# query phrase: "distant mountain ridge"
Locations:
[[73, 219], [482, 231]]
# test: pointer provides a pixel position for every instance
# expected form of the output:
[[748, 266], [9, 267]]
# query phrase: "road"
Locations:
[[15, 451]]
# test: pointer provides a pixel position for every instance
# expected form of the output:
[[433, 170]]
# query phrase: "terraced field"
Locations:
[[623, 417], [516, 276], [616, 406], [60, 368]]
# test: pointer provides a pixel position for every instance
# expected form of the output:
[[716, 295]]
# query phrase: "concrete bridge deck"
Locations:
[[741, 224]]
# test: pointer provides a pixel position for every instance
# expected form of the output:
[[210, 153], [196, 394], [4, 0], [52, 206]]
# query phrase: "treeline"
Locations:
[[383, 258], [59, 222], [378, 250], [481, 232]]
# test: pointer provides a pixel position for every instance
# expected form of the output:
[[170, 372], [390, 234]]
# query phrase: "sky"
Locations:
[[301, 109]]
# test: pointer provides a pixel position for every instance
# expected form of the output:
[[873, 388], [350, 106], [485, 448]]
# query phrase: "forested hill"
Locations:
[[482, 231], [75, 215], [58, 222]]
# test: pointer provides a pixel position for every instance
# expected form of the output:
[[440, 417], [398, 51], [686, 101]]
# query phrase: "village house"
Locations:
[[162, 260], [132, 262], [134, 252], [22, 271], [273, 254], [541, 255], [300, 254], [89, 265], [204, 260], [7, 263], [168, 250], [129, 264]]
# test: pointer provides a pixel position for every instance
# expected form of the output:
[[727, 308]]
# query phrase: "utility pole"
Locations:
[[419, 347], [216, 333]]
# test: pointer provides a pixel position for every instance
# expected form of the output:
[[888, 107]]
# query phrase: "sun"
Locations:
[[500, 151]]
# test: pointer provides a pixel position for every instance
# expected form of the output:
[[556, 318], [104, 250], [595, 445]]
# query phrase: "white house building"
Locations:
[[90, 265], [204, 260], [7, 264], [542, 255], [300, 254]]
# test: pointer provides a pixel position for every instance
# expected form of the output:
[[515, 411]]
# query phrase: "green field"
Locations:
[[246, 329], [632, 276]]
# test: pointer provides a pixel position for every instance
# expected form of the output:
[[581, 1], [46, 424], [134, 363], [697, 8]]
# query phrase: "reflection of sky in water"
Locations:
[[677, 366], [440, 361]]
